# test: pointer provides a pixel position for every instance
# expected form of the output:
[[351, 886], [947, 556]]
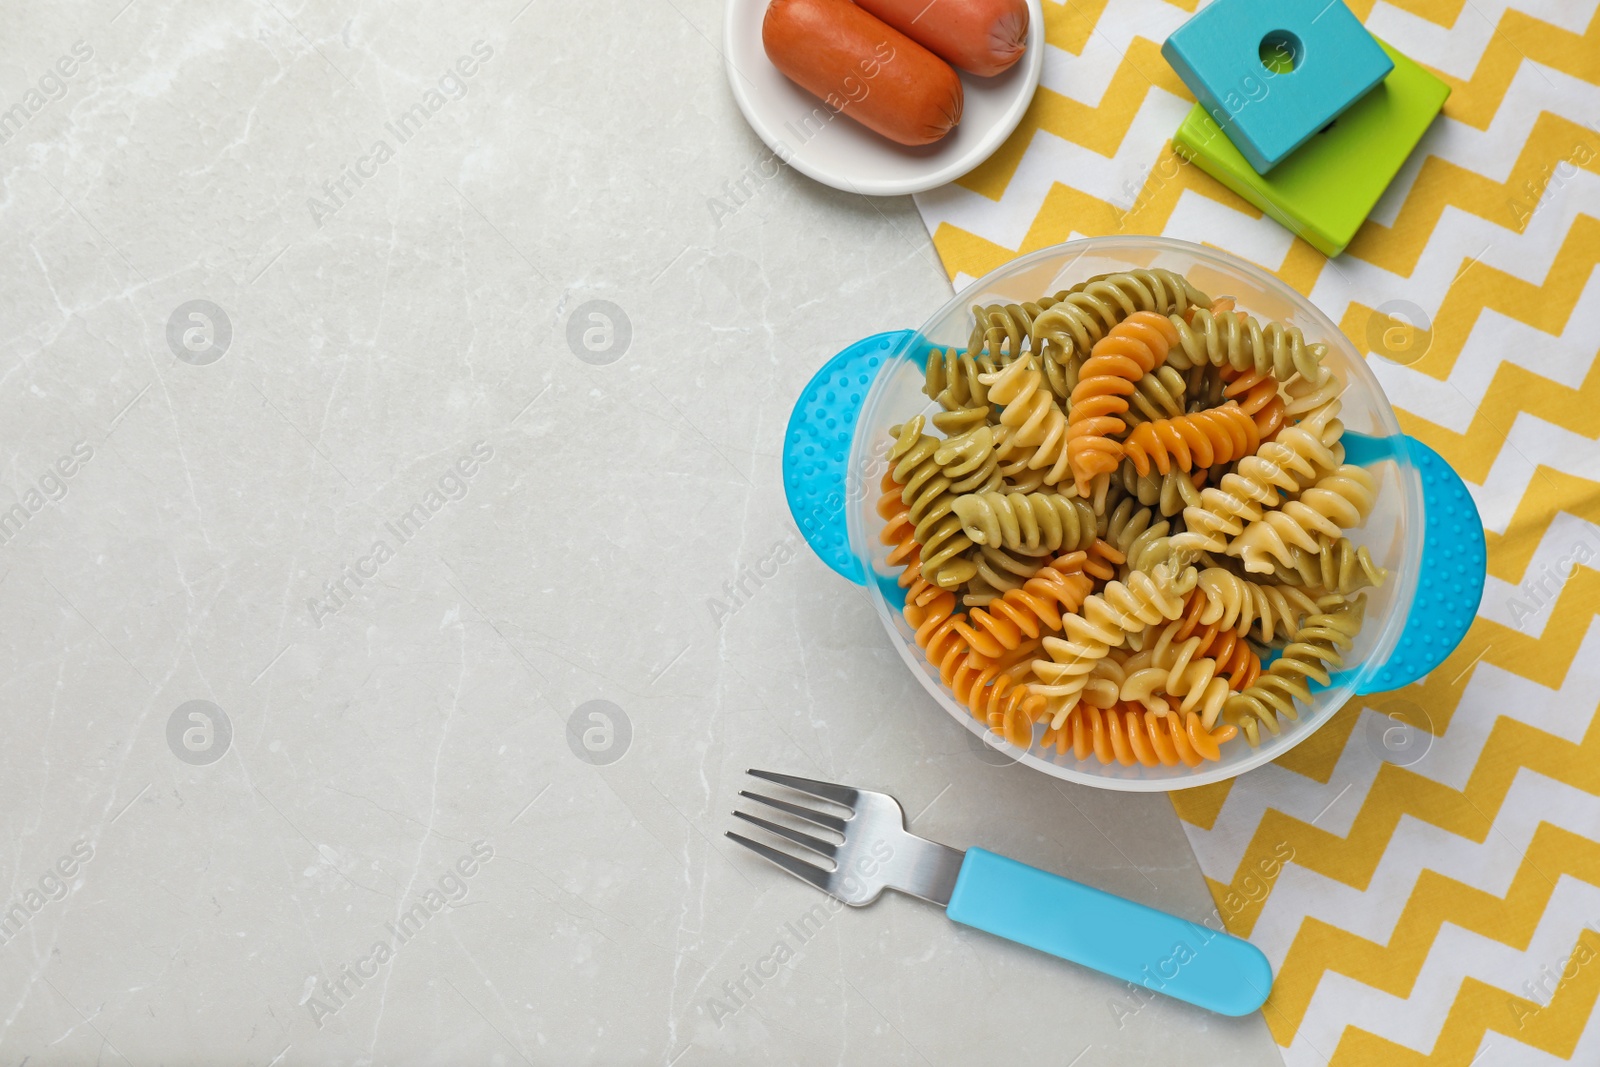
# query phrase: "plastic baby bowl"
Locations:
[[1424, 521]]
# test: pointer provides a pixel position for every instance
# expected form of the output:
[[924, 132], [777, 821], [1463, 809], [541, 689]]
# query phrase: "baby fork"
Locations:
[[1000, 896]]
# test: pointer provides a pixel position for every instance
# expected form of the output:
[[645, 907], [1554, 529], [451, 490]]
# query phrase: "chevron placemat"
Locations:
[[1424, 872]]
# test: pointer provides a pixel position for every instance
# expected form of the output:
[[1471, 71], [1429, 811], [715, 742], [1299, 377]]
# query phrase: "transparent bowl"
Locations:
[[1394, 532]]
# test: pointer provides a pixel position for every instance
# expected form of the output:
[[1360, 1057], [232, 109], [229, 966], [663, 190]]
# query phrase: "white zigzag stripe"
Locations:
[[1117, 180], [1527, 606], [1415, 1020], [1497, 338], [1531, 442], [1459, 48], [1087, 77], [1498, 1048], [1462, 240], [1490, 693], [1373, 911]]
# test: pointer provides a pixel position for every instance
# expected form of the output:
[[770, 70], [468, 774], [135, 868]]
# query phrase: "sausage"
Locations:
[[981, 36], [864, 68]]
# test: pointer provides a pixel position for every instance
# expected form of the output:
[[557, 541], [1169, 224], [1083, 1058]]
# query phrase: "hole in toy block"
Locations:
[[1280, 52]]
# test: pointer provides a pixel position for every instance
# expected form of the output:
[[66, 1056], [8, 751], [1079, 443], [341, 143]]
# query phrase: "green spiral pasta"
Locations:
[[1005, 330], [1337, 566], [1202, 388], [1069, 328], [1318, 646], [1000, 569], [1138, 533], [927, 494], [968, 460], [951, 379], [1031, 523], [1001, 333], [1168, 493], [1236, 603], [1237, 340], [1157, 395]]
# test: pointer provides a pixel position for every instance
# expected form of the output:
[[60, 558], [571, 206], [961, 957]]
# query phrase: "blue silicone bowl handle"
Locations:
[[1451, 573], [1163, 953], [816, 447]]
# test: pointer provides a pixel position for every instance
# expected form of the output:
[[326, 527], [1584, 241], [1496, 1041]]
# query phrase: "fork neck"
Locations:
[[922, 868]]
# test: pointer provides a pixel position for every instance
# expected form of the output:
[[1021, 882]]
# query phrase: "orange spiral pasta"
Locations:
[[936, 623], [995, 697], [1236, 660], [1102, 561], [897, 529], [1218, 435], [1133, 348], [1000, 627], [1127, 735], [1257, 395]]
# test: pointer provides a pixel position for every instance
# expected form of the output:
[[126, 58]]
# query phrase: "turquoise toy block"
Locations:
[[1326, 189], [1271, 73]]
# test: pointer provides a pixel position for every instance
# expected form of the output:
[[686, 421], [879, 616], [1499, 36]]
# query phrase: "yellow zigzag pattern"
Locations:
[[1478, 1007], [1551, 140], [1440, 184], [1398, 792], [1550, 492]]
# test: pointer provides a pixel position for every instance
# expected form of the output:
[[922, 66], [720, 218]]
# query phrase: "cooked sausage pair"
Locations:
[[864, 59]]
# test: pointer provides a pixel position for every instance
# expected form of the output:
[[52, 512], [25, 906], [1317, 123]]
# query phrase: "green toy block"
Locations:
[[1326, 188]]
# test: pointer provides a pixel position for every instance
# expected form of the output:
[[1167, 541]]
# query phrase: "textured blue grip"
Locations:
[[816, 447], [1453, 565], [1161, 952]]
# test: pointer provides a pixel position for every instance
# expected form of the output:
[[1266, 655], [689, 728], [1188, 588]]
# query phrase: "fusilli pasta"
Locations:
[[1319, 645], [1130, 350], [1030, 523], [1138, 494]]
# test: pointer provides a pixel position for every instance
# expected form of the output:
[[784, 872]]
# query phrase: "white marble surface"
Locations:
[[376, 341]]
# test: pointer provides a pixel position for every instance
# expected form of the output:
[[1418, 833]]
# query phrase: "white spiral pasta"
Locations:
[[1295, 460], [1105, 621], [1336, 502], [1175, 670], [1033, 426]]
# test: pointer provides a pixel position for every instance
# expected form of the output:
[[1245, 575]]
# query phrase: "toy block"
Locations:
[[1326, 189], [1272, 73]]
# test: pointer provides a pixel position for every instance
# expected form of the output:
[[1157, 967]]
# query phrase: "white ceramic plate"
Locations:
[[846, 155]]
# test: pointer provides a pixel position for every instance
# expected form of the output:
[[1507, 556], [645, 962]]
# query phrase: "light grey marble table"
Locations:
[[293, 429]]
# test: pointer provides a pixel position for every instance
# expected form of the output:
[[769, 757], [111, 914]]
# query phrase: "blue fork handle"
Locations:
[[1161, 952], [816, 451]]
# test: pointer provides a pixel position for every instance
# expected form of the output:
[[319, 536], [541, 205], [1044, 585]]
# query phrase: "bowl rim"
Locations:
[[1031, 67], [1412, 521]]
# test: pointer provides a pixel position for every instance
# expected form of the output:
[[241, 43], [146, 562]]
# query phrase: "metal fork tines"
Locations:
[[872, 850]]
